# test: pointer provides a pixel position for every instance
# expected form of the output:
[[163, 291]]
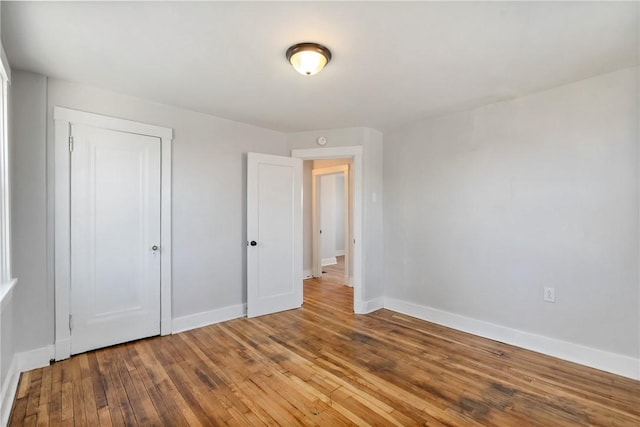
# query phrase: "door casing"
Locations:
[[63, 118], [354, 152]]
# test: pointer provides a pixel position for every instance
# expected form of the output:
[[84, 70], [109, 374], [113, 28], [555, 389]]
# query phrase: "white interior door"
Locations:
[[274, 234], [115, 234]]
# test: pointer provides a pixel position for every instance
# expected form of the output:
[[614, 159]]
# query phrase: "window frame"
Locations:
[[6, 278]]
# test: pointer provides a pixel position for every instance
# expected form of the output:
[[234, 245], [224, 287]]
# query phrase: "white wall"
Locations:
[[335, 138], [8, 374], [339, 198], [339, 214], [34, 317], [332, 217], [7, 324], [328, 219], [209, 191], [7, 345], [373, 205], [307, 205], [209, 206], [486, 207]]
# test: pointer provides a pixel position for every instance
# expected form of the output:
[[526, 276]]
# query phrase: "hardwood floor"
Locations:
[[334, 273], [322, 365]]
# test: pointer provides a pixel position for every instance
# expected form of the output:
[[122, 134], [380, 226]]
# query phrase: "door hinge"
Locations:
[[70, 322], [70, 144]]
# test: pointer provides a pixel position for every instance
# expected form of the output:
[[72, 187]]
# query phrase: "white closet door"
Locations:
[[115, 237]]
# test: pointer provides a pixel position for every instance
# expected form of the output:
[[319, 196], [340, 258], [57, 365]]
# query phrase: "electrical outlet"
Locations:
[[550, 294]]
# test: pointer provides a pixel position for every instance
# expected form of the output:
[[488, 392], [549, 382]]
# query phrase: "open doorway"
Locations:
[[331, 208], [334, 156]]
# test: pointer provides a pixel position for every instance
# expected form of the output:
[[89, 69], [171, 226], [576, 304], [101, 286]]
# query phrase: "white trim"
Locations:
[[21, 362], [62, 241], [63, 118], [10, 380], [611, 362], [329, 261], [371, 305], [341, 252], [5, 184], [9, 389], [306, 274], [34, 359], [6, 290], [198, 320], [354, 152], [113, 123], [166, 246], [5, 68]]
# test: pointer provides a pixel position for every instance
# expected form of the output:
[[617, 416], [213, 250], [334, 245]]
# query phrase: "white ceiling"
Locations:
[[393, 62]]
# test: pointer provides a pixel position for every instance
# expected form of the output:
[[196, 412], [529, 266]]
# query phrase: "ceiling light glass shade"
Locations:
[[308, 58], [308, 62]]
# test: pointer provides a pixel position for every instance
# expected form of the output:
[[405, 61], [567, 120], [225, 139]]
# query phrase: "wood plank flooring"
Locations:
[[322, 365]]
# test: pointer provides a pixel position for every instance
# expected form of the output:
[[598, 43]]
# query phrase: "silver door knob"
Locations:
[[154, 248]]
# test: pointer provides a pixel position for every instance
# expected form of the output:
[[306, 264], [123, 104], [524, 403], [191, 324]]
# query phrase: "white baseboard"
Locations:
[[21, 362], [307, 274], [198, 320], [34, 359], [611, 362], [364, 307], [329, 261], [340, 252], [9, 389]]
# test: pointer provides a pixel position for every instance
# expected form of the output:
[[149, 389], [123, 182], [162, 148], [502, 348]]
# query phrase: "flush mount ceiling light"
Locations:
[[308, 58]]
